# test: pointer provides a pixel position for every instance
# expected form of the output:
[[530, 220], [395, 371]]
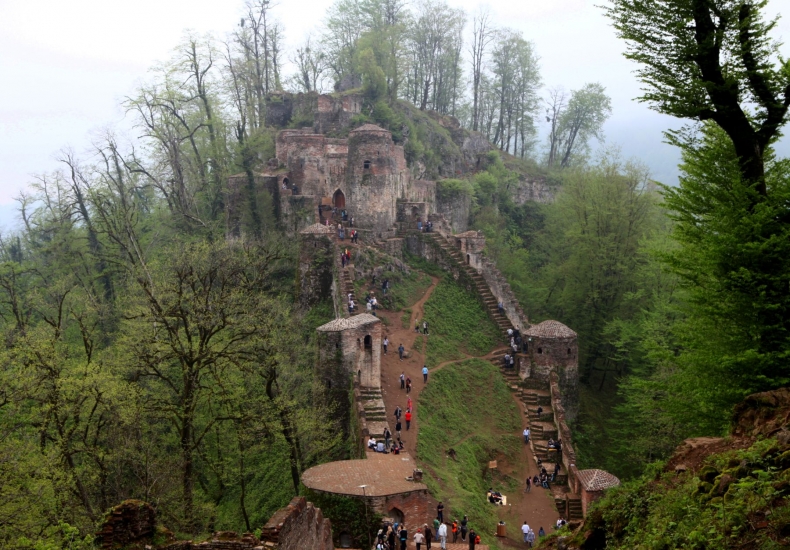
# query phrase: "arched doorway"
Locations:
[[396, 515], [368, 342], [468, 259], [339, 199]]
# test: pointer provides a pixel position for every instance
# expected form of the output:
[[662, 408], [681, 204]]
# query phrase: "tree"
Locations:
[[482, 36], [310, 63], [711, 60], [575, 122]]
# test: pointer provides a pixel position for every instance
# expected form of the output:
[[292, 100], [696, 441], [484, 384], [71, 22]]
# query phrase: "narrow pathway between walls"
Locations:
[[536, 507]]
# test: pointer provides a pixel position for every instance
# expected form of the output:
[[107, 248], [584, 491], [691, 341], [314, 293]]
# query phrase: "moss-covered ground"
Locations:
[[468, 408]]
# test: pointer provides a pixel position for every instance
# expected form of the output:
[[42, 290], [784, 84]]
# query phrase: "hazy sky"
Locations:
[[67, 65]]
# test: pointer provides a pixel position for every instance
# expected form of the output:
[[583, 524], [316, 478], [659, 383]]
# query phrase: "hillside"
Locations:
[[729, 492]]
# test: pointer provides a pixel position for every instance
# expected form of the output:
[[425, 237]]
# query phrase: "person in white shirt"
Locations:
[[525, 531], [385, 343], [526, 435], [371, 443], [419, 539], [443, 535]]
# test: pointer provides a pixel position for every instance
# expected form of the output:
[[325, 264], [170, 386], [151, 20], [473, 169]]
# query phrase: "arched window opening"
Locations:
[[540, 351], [337, 345], [366, 165], [569, 351], [359, 376], [468, 259], [368, 342]]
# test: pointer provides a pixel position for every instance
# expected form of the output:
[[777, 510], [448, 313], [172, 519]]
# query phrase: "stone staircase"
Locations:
[[375, 413], [488, 298]]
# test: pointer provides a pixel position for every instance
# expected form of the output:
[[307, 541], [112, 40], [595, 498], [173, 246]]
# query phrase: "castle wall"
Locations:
[[315, 269], [376, 177], [335, 113], [299, 526]]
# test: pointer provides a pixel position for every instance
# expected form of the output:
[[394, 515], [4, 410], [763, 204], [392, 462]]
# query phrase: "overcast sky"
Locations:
[[67, 65]]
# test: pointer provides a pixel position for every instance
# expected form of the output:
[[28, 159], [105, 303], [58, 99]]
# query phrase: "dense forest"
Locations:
[[146, 356]]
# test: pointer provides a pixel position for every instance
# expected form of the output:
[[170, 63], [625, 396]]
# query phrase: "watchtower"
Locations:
[[553, 346]]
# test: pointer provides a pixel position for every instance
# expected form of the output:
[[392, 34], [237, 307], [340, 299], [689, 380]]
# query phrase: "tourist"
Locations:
[[385, 343], [526, 435], [525, 530], [387, 437], [506, 360], [539, 411], [407, 416], [351, 306], [428, 536], [501, 307], [425, 374], [408, 403], [463, 528], [541, 533], [455, 531], [425, 327], [556, 471], [436, 528], [371, 443], [401, 349], [472, 539], [417, 326], [391, 539], [513, 361], [443, 535], [402, 375], [530, 538], [419, 539], [419, 226], [369, 307], [380, 448], [440, 511], [509, 332], [398, 410], [351, 223], [398, 427], [403, 536], [408, 385], [529, 485], [342, 260]]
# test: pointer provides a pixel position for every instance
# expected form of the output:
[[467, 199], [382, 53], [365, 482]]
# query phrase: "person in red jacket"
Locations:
[[407, 417]]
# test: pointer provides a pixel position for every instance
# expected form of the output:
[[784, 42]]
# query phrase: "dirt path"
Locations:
[[537, 507]]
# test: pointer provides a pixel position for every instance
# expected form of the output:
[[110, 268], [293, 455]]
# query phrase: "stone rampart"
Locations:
[[299, 526], [501, 289]]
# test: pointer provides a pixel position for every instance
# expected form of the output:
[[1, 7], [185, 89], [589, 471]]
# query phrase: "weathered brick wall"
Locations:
[[417, 507], [455, 207], [558, 356], [373, 191], [227, 540], [299, 526], [336, 378], [335, 113], [363, 363], [315, 269], [501, 289], [130, 521]]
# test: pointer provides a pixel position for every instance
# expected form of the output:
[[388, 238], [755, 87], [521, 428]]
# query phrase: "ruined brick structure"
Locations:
[[316, 261], [129, 521], [299, 526], [551, 346]]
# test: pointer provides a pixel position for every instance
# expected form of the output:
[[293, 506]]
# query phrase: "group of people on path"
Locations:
[[396, 536], [529, 534], [427, 226], [417, 326]]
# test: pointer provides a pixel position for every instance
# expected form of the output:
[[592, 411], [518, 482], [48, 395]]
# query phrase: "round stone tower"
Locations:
[[375, 176], [553, 346]]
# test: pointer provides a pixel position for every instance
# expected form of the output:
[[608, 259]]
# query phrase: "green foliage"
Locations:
[[467, 407], [457, 323], [661, 511], [374, 83], [451, 188], [347, 514]]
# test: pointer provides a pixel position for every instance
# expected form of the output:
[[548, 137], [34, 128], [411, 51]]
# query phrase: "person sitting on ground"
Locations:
[[371, 443], [535, 480], [380, 448], [494, 497], [395, 449]]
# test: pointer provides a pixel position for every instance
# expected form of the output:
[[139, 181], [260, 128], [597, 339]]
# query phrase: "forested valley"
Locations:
[[148, 356]]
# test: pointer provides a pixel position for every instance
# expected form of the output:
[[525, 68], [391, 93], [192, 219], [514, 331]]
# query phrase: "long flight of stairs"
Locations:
[[375, 413]]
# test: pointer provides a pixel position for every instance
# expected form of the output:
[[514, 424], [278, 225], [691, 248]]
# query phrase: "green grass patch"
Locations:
[[405, 289], [457, 324], [405, 318], [467, 407]]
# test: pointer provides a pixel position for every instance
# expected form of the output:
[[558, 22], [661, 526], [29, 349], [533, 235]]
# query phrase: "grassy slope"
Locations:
[[457, 324], [664, 510], [467, 407]]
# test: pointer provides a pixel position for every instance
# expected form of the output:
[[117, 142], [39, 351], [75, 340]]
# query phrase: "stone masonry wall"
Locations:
[[299, 526], [417, 507], [500, 288], [534, 189]]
